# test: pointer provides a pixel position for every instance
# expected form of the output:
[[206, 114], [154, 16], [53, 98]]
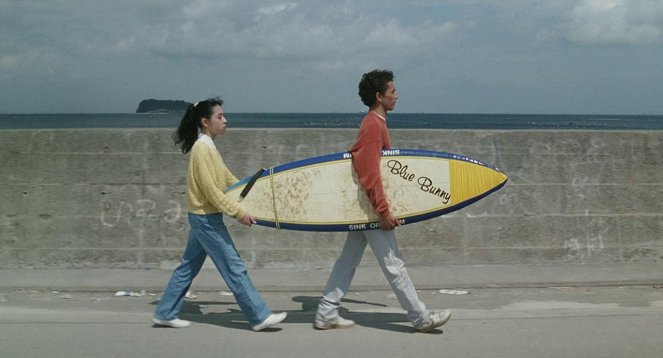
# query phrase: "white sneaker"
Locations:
[[272, 320], [434, 320], [336, 322], [175, 323], [190, 295]]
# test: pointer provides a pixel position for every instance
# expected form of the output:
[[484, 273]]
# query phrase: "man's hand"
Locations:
[[247, 220], [389, 222]]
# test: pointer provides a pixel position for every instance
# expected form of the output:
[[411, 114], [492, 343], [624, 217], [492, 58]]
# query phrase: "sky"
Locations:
[[448, 56]]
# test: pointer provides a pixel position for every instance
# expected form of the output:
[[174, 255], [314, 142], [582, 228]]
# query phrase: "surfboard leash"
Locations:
[[250, 184], [276, 214]]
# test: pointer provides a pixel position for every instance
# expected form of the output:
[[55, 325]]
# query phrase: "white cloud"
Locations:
[[275, 9], [635, 22]]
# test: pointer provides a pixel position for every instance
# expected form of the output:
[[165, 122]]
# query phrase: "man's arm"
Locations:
[[366, 155]]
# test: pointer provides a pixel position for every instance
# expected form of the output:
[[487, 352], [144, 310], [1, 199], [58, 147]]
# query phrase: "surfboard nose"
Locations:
[[469, 180]]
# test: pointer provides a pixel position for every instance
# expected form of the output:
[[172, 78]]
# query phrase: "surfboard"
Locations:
[[323, 193]]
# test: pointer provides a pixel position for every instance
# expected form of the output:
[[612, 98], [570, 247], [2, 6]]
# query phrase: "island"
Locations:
[[162, 106]]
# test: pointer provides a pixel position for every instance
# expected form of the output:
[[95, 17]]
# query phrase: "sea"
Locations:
[[342, 120]]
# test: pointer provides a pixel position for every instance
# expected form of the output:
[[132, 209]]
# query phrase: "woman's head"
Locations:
[[215, 123], [199, 117]]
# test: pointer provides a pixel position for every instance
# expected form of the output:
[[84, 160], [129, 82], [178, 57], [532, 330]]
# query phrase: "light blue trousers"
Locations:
[[209, 236], [385, 248]]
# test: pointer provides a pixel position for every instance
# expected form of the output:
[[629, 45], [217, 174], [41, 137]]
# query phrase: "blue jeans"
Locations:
[[209, 236]]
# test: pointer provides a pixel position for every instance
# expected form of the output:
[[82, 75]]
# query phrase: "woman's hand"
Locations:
[[247, 220]]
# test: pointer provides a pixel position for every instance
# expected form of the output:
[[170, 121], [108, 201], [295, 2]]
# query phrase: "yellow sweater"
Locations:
[[207, 177]]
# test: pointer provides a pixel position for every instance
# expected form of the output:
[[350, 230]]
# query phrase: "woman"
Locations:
[[207, 178]]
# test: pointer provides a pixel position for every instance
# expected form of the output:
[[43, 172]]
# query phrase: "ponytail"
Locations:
[[187, 132]]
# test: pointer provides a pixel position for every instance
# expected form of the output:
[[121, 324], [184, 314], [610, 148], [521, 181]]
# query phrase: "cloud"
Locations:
[[9, 61], [171, 46], [275, 9], [585, 22], [315, 30], [107, 54], [32, 60], [633, 22]]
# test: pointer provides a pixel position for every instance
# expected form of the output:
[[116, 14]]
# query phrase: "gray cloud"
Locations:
[[636, 22], [449, 55]]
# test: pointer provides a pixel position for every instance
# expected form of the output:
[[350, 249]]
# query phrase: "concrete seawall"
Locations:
[[114, 198]]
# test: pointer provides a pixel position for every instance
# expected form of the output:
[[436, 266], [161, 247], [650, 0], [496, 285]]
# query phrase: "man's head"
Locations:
[[375, 83]]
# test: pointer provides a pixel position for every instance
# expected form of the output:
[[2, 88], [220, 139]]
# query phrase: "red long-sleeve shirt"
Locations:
[[373, 137]]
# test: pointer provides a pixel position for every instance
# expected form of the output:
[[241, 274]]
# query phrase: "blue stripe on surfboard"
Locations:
[[371, 225], [385, 153], [346, 156], [444, 155]]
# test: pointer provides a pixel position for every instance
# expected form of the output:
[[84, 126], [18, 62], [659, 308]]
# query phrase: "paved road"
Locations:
[[581, 321]]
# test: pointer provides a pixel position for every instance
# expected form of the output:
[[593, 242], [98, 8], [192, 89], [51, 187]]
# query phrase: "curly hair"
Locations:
[[372, 83]]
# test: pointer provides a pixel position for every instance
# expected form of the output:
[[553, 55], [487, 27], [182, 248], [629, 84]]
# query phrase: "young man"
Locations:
[[377, 91]]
